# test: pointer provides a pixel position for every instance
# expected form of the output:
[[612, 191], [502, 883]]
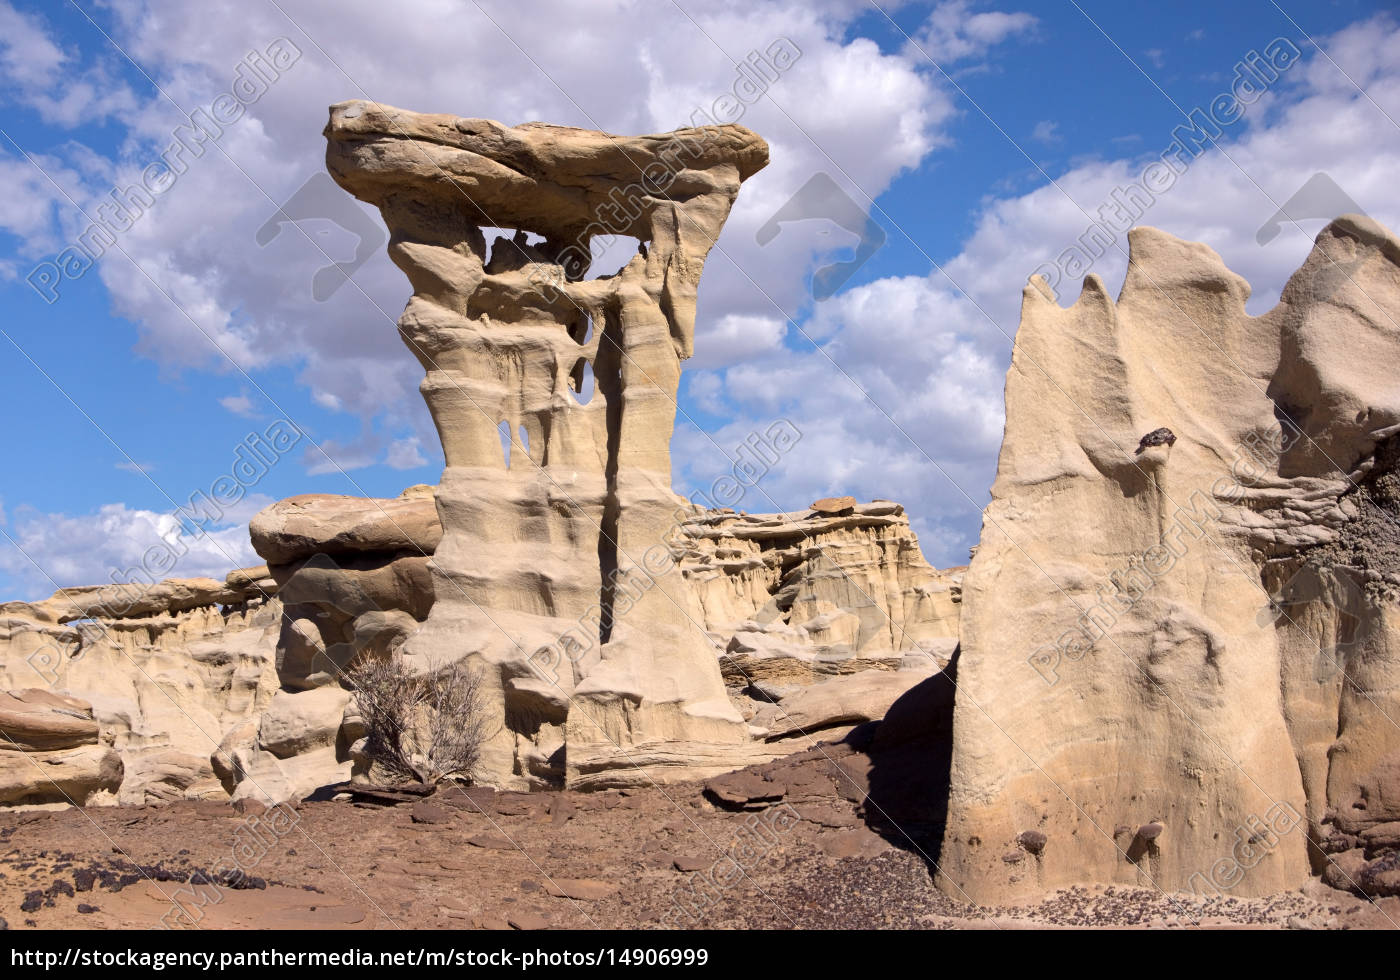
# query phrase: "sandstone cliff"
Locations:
[[201, 688], [164, 671]]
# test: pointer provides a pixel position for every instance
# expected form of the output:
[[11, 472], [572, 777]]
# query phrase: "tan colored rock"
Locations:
[[792, 598], [331, 524], [340, 609], [35, 720], [164, 684], [837, 701], [549, 535], [82, 776], [1122, 665], [270, 780], [50, 751], [256, 579], [834, 505], [297, 723], [166, 776]]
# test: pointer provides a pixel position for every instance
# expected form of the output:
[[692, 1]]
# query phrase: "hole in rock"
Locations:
[[504, 430], [509, 249], [524, 440], [581, 381], [581, 330], [610, 253]]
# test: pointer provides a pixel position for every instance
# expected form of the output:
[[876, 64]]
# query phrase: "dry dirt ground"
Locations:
[[787, 845]]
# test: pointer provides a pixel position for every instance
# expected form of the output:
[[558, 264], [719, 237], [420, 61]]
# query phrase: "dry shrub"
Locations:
[[422, 728]]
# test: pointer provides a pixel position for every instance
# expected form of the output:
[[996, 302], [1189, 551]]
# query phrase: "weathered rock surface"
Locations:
[[166, 669], [836, 701], [216, 686], [50, 751], [538, 535], [317, 523], [352, 575], [792, 598], [1199, 634]]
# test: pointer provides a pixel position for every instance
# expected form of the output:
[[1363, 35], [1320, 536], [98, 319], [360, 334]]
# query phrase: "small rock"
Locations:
[[688, 863], [1157, 437], [743, 788], [561, 810], [1150, 831], [860, 843], [491, 842], [516, 804], [1382, 835], [834, 505], [1343, 870], [1014, 857], [582, 889], [477, 799], [493, 923], [1032, 840], [425, 812], [828, 816], [527, 921], [249, 807], [84, 909]]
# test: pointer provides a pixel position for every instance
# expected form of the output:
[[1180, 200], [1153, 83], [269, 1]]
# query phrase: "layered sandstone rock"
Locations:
[[352, 576], [1180, 659], [51, 751], [791, 598], [163, 671], [537, 532]]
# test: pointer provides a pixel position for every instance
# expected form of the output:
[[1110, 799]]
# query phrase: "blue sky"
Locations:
[[980, 137]]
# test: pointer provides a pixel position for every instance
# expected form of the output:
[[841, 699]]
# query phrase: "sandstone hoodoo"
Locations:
[[577, 377], [1180, 655]]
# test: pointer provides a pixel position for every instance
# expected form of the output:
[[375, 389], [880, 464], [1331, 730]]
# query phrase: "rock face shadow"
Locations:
[[910, 752]]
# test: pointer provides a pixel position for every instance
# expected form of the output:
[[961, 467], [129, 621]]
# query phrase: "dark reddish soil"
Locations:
[[787, 845]]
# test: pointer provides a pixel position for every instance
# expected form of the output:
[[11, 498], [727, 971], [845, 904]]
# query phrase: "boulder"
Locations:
[[34, 720], [838, 701], [297, 528], [82, 776], [297, 723]]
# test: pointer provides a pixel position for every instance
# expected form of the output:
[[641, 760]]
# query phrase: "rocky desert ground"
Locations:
[[803, 856]]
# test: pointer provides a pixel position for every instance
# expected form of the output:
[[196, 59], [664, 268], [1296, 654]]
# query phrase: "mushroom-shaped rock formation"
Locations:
[[554, 573]]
